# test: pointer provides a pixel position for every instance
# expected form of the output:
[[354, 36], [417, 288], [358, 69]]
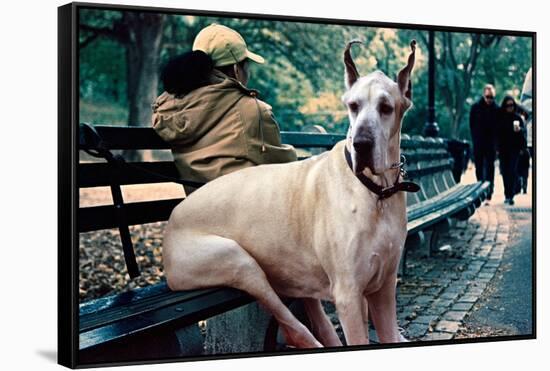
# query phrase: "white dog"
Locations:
[[331, 227]]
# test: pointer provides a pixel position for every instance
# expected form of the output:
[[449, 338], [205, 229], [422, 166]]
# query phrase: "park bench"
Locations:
[[154, 323]]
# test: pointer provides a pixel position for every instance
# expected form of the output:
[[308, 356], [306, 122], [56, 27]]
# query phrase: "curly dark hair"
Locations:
[[186, 72]]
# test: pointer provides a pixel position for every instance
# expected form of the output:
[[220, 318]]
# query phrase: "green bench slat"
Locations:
[[442, 200], [104, 217], [98, 174], [414, 174], [178, 309], [139, 138], [123, 137], [299, 139], [429, 213]]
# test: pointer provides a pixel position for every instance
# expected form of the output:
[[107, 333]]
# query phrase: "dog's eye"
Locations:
[[353, 107], [385, 109]]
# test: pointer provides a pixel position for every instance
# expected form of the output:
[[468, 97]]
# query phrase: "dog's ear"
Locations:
[[404, 76], [351, 74]]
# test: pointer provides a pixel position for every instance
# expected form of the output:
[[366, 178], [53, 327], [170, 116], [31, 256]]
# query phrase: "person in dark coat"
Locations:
[[483, 120], [524, 157], [510, 142]]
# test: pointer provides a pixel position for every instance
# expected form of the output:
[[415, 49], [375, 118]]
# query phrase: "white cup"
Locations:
[[516, 125]]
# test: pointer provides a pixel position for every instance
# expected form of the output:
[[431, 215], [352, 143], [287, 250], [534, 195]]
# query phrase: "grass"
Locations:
[[103, 113]]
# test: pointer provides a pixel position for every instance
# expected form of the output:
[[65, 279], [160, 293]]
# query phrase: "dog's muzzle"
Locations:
[[380, 191], [364, 149], [363, 145]]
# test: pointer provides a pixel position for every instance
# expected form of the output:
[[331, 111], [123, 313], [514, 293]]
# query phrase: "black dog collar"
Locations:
[[384, 192]]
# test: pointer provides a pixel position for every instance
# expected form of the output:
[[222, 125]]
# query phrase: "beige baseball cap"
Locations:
[[224, 45]]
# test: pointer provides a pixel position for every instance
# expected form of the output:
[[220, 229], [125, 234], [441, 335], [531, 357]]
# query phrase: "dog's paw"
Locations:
[[300, 338]]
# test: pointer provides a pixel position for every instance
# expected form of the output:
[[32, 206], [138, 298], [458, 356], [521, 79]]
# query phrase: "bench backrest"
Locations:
[[430, 164]]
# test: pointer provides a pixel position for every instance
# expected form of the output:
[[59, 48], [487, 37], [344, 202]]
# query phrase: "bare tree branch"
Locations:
[[472, 58]]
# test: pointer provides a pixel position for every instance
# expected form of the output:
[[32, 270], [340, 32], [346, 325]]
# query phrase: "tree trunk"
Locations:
[[457, 118], [142, 55], [456, 85]]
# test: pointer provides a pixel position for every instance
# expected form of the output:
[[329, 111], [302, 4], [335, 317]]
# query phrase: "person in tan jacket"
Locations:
[[214, 123]]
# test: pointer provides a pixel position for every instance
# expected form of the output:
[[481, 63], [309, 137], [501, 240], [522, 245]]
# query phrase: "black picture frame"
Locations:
[[68, 197]]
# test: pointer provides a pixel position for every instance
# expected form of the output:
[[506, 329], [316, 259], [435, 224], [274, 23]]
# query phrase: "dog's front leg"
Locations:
[[383, 312], [351, 311], [320, 324]]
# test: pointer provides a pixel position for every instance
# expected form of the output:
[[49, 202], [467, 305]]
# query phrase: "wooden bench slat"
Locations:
[[125, 298], [115, 310], [415, 144], [135, 137], [424, 220], [124, 137], [454, 195], [104, 217], [299, 139], [416, 157], [417, 173], [178, 313], [98, 174]]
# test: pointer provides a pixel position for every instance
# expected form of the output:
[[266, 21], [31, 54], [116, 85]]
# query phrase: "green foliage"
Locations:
[[505, 66], [303, 75], [103, 72]]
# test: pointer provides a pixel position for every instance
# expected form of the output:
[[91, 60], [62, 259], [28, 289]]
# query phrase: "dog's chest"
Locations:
[[385, 229], [381, 217], [379, 241]]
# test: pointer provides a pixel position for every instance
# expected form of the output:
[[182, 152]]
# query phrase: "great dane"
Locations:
[[331, 227]]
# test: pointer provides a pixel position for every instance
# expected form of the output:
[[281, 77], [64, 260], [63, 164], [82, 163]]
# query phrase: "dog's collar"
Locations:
[[384, 192]]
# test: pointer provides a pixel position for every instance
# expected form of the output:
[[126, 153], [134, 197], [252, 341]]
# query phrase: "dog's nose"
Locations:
[[363, 144]]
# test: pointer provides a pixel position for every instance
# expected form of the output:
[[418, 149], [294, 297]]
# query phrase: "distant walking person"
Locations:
[[483, 120], [524, 155], [526, 103], [510, 142]]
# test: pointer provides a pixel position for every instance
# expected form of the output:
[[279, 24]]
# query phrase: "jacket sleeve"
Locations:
[[262, 133], [280, 152]]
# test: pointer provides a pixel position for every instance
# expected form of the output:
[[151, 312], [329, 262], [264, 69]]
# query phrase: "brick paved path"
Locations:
[[437, 292]]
